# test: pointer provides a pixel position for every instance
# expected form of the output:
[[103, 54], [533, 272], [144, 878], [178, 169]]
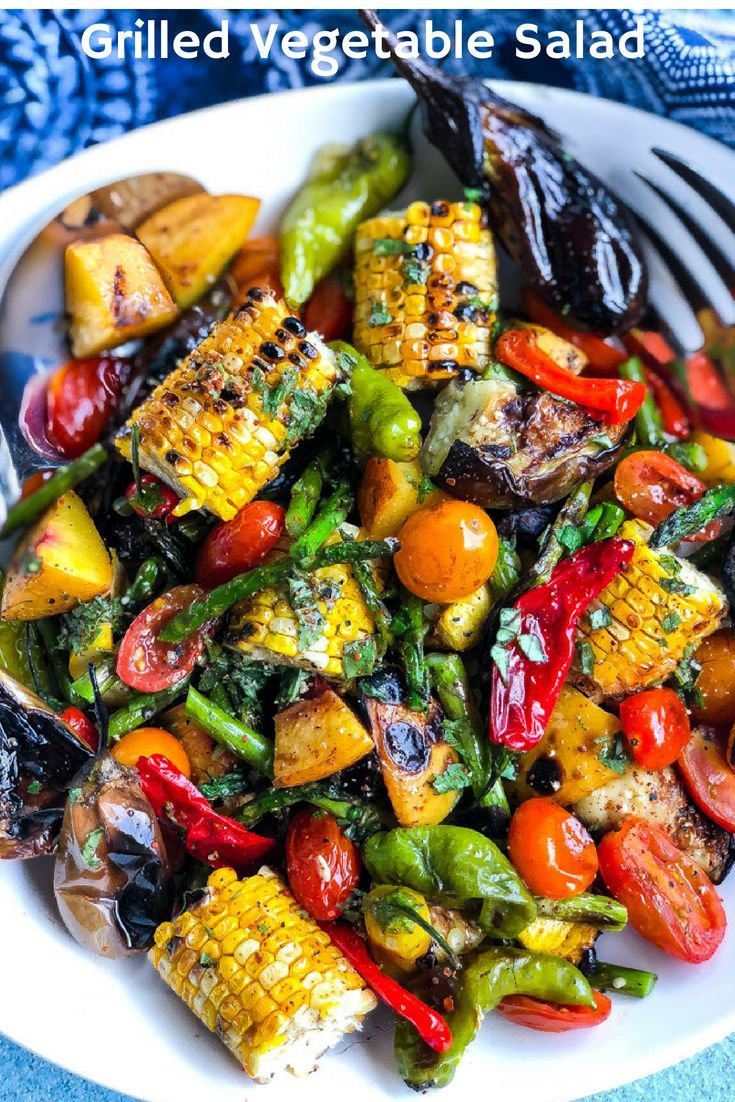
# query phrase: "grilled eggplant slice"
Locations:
[[575, 243], [660, 799], [39, 756]]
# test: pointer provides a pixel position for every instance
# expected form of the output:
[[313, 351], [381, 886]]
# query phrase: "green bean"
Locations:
[[649, 426], [625, 981], [330, 514], [143, 585], [563, 536], [232, 733], [383, 621], [588, 909], [408, 625], [305, 494], [28, 509], [49, 635]]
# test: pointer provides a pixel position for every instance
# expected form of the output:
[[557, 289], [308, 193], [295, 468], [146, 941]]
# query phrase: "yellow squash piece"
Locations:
[[392, 936], [570, 760], [390, 493], [561, 939], [114, 293], [720, 458], [257, 971], [61, 562], [193, 239], [458, 626], [316, 738]]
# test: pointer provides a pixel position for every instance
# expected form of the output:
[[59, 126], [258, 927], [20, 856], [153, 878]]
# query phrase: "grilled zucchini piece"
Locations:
[[569, 940]]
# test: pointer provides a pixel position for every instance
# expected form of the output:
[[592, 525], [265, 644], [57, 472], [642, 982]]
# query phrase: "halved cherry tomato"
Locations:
[[551, 850], [670, 900], [329, 310], [82, 727], [602, 355], [656, 725], [32, 483], [148, 665], [652, 485], [81, 397], [553, 1017], [144, 742], [323, 865], [239, 544], [257, 265], [709, 777], [159, 499], [447, 551], [649, 346]]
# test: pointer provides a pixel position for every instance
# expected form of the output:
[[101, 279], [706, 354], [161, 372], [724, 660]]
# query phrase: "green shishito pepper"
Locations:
[[459, 866], [493, 974], [343, 189], [382, 420]]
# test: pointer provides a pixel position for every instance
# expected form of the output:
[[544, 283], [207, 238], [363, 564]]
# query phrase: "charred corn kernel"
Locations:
[[425, 292], [720, 458], [220, 426], [333, 622], [657, 607], [560, 939], [257, 1001], [458, 626], [392, 934]]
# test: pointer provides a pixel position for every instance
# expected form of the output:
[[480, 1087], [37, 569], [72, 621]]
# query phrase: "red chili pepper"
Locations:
[[602, 355], [614, 400], [429, 1025], [82, 727], [675, 421], [525, 692], [210, 837]]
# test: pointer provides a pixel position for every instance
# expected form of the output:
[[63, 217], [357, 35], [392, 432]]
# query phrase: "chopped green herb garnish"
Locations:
[[670, 622], [454, 778], [614, 755], [599, 618], [89, 848], [79, 628], [34, 788], [586, 657], [677, 586], [391, 246], [359, 657], [415, 270], [379, 314]]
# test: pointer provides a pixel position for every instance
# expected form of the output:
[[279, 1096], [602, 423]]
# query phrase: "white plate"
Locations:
[[116, 1023]]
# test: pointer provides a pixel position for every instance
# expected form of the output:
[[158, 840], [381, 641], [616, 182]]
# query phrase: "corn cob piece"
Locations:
[[332, 622], [562, 939], [657, 607], [261, 974], [425, 292], [459, 932], [458, 626], [220, 426]]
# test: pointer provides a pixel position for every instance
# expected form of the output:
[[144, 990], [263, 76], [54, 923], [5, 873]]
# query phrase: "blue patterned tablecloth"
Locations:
[[54, 101]]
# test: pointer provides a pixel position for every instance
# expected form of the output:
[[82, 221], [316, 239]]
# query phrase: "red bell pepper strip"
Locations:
[[525, 689], [210, 837], [614, 400], [673, 417], [602, 355], [429, 1025]]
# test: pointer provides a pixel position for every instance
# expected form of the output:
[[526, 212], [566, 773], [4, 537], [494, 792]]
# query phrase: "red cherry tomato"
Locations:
[[158, 499], [239, 544], [553, 1017], [708, 776], [148, 665], [652, 485], [81, 397], [656, 725], [551, 850], [329, 310], [670, 900], [82, 727], [323, 864]]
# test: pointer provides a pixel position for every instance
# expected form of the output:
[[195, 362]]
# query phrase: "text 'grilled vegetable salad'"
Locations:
[[390, 670]]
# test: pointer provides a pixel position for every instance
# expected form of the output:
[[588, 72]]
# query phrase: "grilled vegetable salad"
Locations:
[[370, 639]]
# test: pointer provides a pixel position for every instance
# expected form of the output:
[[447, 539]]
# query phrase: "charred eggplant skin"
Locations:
[[575, 243]]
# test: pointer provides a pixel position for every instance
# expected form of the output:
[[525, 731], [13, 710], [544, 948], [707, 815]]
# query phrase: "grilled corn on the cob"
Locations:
[[562, 939], [329, 621], [656, 608], [219, 427], [261, 974], [425, 292]]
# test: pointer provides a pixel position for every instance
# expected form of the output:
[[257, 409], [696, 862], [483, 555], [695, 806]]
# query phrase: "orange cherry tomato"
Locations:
[[160, 498], [447, 551], [652, 485], [323, 865], [81, 398], [656, 726], [551, 850], [257, 265], [553, 1017], [715, 699], [144, 742], [82, 727], [145, 663], [329, 310], [239, 544], [709, 777], [670, 899], [35, 481]]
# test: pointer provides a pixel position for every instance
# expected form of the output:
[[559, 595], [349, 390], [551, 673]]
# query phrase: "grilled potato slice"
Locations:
[[316, 738]]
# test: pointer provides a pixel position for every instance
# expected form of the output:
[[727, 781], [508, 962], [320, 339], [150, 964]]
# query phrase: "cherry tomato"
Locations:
[[709, 777], [553, 1017], [144, 742], [603, 356], [239, 544], [447, 551], [551, 850], [652, 485], [35, 481], [323, 864], [158, 499], [81, 397], [715, 701], [148, 665], [329, 310], [82, 727], [671, 901], [656, 725]]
